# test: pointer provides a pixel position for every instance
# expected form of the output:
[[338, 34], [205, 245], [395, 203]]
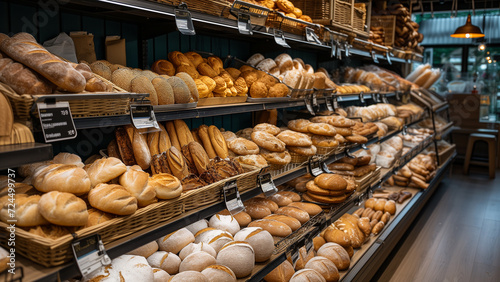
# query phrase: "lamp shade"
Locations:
[[468, 30]]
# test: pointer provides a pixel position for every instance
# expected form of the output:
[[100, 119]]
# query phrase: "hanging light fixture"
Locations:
[[468, 30]]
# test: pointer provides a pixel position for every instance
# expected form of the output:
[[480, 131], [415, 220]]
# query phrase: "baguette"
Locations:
[[183, 133], [218, 142], [23, 80], [125, 146], [23, 48], [205, 139], [169, 125], [163, 140], [153, 141]]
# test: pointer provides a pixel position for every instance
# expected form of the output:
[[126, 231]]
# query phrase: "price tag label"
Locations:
[[309, 106], [311, 36], [143, 116], [314, 100], [267, 185], [329, 104], [388, 58], [232, 197], [347, 50], [244, 24], [315, 167], [56, 121], [374, 57], [279, 38], [183, 20], [90, 254]]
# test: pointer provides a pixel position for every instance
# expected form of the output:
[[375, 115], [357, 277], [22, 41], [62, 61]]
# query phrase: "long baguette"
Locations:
[[23, 80], [23, 48]]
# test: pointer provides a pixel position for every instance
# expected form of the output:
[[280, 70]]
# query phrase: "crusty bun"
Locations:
[[63, 209]]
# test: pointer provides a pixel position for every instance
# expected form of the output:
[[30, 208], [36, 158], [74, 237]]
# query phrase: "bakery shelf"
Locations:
[[13, 156], [444, 131], [373, 256]]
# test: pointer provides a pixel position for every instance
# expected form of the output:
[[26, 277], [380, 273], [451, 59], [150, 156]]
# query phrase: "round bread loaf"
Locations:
[[63, 178], [229, 136], [235, 73], [164, 91], [215, 238], [146, 250], [68, 158], [224, 222], [197, 226], [268, 141], [307, 275], [242, 217], [242, 146], [325, 267], [190, 84], [130, 268], [316, 190], [337, 254], [253, 160], [283, 272], [266, 64], [299, 125], [337, 236], [255, 59], [282, 58], [266, 127], [259, 90], [165, 185], [101, 69], [250, 77], [278, 90], [63, 209], [321, 129], [304, 151], [194, 247], [324, 199], [27, 213], [206, 70], [261, 241], [197, 261], [142, 84], [219, 273], [194, 57], [188, 276], [163, 67], [238, 256], [123, 78], [292, 138], [278, 158], [182, 94], [167, 261], [324, 141], [112, 198], [160, 275], [176, 241]]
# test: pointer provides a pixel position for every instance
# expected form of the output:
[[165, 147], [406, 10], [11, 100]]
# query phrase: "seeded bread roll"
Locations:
[[63, 209], [182, 94], [164, 91], [112, 198]]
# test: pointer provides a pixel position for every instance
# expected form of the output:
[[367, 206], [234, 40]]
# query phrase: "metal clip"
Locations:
[[362, 97], [311, 36], [183, 20], [346, 46], [388, 57], [279, 38], [244, 23], [374, 57]]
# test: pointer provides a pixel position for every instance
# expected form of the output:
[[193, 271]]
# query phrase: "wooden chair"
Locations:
[[491, 140]]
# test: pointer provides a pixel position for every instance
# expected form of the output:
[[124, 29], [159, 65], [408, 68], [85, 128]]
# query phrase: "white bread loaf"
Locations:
[[337, 254], [214, 237], [197, 261], [105, 169], [166, 186], [160, 275], [68, 158], [30, 169], [197, 226], [167, 261], [219, 273], [325, 267], [112, 198], [261, 241], [307, 275], [225, 222], [146, 250], [176, 241], [194, 247], [188, 276], [132, 268], [62, 178], [238, 256], [136, 183], [63, 209], [27, 212]]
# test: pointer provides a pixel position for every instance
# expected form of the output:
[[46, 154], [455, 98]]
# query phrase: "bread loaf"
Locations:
[[215, 238], [174, 140], [176, 241], [276, 228], [306, 275], [97, 217], [189, 276], [268, 141], [242, 146], [62, 178], [197, 262], [105, 169], [164, 91], [112, 198], [294, 212], [194, 248], [125, 146], [7, 117], [242, 217], [177, 163], [288, 220], [140, 146], [190, 84], [22, 79], [166, 186], [238, 256], [331, 182], [68, 158], [23, 48], [63, 209], [282, 273], [325, 267], [218, 142], [166, 261], [183, 133], [337, 254], [182, 94], [219, 273], [270, 204], [225, 222], [136, 183], [27, 212]]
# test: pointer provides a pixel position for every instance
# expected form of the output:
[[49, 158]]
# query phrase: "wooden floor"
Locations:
[[456, 236]]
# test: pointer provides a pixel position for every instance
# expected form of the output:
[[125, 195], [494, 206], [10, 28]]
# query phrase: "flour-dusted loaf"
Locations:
[[27, 212], [176, 241], [136, 182], [219, 273], [63, 209], [242, 146], [62, 178], [105, 169], [196, 247], [238, 256], [197, 261], [167, 261], [165, 185], [225, 222], [214, 237], [112, 198], [145, 250], [261, 241]]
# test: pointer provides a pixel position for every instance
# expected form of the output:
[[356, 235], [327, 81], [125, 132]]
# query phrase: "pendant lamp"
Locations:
[[468, 30]]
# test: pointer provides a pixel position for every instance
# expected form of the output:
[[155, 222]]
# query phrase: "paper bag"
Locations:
[[62, 46], [115, 50], [84, 46]]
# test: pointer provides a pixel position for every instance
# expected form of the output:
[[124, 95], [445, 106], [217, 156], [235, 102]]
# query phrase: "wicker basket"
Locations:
[[388, 24], [212, 7], [298, 159], [279, 21], [23, 104], [49, 252]]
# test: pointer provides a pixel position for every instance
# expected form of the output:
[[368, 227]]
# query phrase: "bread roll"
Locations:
[[307, 275], [176, 241], [294, 212], [27, 213], [182, 94], [225, 222], [276, 228], [167, 261], [218, 142], [288, 220], [62, 178], [238, 256], [160, 275], [166, 186], [68, 158], [136, 183], [189, 276], [112, 198], [337, 254], [325, 267], [105, 169], [194, 248], [63, 209], [257, 211], [282, 273], [197, 226], [219, 273], [146, 250], [261, 241], [215, 238]]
